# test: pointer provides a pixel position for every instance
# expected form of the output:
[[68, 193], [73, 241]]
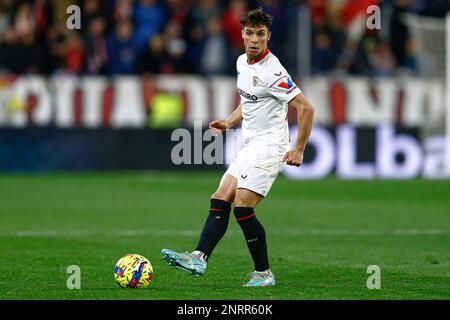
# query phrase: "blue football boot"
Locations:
[[185, 261], [260, 279]]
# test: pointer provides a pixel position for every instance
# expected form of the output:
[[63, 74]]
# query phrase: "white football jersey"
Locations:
[[265, 88]]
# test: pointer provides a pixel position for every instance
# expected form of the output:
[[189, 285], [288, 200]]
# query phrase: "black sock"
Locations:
[[255, 236], [215, 226]]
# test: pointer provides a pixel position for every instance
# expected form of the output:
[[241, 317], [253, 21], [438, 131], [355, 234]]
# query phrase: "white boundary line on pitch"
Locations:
[[190, 233]]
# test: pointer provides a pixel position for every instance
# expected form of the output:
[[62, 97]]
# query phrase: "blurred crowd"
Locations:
[[201, 36]]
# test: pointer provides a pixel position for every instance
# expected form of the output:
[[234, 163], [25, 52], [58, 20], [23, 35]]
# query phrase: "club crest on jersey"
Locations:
[[255, 81]]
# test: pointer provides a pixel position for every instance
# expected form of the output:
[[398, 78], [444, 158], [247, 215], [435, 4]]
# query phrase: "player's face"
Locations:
[[255, 40]]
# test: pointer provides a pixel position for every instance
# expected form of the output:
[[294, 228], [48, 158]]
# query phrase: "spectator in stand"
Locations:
[[43, 13], [155, 59], [177, 11], [121, 47], [322, 53], [74, 53], [89, 10], [319, 10], [278, 29], [328, 36], [6, 15], [399, 33], [381, 60], [353, 14], [206, 10], [20, 51], [176, 50], [6, 44], [8, 60], [24, 22], [149, 18], [410, 62], [231, 24], [195, 29], [214, 56], [96, 49], [123, 9], [56, 46]]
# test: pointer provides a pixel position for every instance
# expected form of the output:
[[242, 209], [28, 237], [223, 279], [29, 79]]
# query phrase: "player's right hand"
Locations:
[[293, 158], [218, 126]]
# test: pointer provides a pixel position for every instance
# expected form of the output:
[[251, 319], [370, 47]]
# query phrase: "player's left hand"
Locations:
[[293, 158], [218, 126]]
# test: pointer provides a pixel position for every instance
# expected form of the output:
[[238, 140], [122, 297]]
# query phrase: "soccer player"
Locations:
[[266, 91]]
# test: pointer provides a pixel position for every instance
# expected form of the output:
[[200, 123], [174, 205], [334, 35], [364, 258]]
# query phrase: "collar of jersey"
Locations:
[[261, 57]]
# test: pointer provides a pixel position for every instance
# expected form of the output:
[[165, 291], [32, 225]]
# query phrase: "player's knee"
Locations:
[[241, 201], [246, 198], [223, 195]]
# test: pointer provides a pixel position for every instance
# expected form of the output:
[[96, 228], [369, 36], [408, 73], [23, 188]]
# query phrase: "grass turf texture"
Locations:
[[322, 236]]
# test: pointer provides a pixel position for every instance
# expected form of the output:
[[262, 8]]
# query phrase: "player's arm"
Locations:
[[305, 117], [222, 125]]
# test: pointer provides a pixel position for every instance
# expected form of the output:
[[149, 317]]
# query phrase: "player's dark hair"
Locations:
[[257, 17]]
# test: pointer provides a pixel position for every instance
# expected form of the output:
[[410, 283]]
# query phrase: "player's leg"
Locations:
[[255, 236], [254, 233], [255, 180], [213, 230], [216, 223]]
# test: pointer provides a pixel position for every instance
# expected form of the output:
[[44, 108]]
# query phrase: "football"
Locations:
[[133, 271]]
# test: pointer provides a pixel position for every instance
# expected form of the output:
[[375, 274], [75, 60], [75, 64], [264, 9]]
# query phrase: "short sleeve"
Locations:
[[281, 86]]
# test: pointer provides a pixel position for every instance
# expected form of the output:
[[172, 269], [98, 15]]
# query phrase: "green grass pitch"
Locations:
[[322, 236]]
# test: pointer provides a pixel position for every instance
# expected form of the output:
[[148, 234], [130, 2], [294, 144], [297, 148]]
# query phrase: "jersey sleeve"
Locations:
[[281, 86]]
